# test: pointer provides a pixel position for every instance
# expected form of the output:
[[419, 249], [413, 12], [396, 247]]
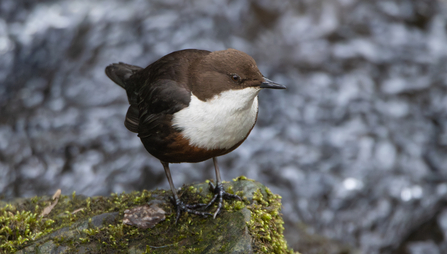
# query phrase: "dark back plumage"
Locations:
[[155, 93]]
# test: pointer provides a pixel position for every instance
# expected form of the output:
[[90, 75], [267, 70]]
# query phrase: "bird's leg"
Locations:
[[219, 190], [180, 206]]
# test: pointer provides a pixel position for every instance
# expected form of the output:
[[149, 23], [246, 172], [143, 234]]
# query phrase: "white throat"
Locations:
[[220, 122]]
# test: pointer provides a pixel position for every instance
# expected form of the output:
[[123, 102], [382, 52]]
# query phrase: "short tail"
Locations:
[[121, 72]]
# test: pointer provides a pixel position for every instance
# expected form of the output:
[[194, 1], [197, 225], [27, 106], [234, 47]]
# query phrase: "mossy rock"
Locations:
[[79, 224]]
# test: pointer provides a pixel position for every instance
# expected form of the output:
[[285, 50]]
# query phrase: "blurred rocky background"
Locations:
[[357, 145]]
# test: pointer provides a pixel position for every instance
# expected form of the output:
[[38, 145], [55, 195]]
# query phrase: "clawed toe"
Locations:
[[189, 208], [221, 194]]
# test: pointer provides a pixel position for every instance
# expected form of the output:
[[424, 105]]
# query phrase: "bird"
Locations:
[[190, 106]]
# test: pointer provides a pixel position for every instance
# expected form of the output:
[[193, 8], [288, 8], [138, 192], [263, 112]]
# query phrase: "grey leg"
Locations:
[[216, 168], [219, 191], [168, 175], [180, 206]]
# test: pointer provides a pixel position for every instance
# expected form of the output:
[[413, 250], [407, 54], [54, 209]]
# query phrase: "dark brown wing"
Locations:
[[157, 102], [162, 90], [155, 92]]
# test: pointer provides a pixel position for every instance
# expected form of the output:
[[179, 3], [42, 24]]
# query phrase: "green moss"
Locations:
[[266, 224], [78, 221], [17, 228], [20, 223], [240, 178]]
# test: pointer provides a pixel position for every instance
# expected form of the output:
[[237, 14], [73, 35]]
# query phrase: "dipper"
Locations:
[[192, 105]]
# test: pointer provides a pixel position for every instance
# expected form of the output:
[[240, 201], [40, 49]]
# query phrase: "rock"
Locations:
[[249, 226]]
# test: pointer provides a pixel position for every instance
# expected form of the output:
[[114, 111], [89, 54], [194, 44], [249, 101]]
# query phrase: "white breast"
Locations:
[[220, 122]]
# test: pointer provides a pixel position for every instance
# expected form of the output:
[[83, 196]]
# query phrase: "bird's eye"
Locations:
[[235, 78]]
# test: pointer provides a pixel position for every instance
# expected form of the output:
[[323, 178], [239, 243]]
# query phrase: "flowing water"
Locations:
[[357, 144]]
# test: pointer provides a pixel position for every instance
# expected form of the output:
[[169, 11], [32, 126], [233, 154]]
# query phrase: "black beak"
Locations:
[[271, 84]]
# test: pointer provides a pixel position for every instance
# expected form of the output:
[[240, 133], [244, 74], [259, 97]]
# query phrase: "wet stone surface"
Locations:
[[253, 225]]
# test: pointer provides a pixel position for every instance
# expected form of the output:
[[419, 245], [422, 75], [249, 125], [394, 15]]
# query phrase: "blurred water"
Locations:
[[356, 146]]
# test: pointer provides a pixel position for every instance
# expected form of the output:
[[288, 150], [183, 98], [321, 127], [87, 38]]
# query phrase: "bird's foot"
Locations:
[[189, 208], [221, 194]]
